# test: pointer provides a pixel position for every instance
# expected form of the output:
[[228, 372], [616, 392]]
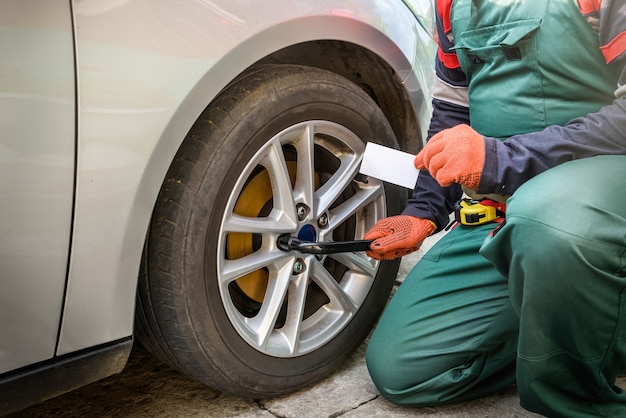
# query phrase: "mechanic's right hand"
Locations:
[[398, 236]]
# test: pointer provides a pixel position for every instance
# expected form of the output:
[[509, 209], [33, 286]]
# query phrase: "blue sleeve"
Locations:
[[429, 200], [510, 163]]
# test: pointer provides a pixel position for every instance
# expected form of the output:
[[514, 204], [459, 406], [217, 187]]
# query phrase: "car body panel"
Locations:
[[147, 69], [37, 121], [424, 12]]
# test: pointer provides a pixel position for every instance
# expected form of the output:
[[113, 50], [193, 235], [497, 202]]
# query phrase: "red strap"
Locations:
[[498, 205], [444, 7], [449, 59], [615, 48], [589, 6]]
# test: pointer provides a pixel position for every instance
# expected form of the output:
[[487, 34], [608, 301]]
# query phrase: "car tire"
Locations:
[[277, 152]]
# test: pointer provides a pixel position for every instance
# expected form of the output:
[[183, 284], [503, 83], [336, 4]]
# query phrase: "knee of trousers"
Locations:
[[537, 208], [385, 370], [431, 385], [394, 380], [412, 379], [547, 198], [578, 198]]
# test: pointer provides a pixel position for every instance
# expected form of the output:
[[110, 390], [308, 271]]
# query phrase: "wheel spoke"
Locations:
[[362, 197], [358, 262], [295, 311], [237, 223], [234, 269], [305, 176], [262, 324], [333, 188], [276, 166], [339, 299]]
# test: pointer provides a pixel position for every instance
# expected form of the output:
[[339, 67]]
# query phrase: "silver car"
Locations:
[[156, 156]]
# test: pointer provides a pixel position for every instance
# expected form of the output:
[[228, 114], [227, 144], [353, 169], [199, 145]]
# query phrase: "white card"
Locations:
[[390, 165]]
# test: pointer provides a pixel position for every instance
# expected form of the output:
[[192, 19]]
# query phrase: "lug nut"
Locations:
[[302, 211], [298, 266], [322, 222]]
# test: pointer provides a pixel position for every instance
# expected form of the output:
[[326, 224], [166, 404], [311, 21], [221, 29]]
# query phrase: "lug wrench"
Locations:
[[288, 243]]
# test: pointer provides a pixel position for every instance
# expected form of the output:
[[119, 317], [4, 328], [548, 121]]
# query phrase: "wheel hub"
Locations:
[[307, 233]]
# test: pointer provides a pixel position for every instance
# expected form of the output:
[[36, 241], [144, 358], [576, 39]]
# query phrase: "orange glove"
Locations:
[[397, 236], [455, 155]]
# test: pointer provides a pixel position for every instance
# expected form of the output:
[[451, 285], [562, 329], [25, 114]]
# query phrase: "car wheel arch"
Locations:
[[372, 72]]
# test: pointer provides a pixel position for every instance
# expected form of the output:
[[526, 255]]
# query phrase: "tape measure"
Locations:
[[478, 212]]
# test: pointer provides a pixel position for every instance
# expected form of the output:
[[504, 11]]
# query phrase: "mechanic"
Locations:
[[539, 300]]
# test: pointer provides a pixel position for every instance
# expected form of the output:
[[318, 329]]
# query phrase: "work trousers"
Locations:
[[539, 301]]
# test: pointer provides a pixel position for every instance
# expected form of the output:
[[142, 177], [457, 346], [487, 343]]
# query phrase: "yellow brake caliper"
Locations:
[[253, 198]]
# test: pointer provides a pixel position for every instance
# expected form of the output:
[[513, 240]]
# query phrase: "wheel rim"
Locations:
[[304, 181]]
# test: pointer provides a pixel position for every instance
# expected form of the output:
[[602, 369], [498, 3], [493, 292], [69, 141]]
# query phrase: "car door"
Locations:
[[37, 141]]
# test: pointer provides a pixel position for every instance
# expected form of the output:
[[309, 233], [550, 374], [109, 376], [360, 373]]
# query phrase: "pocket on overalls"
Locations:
[[505, 88]]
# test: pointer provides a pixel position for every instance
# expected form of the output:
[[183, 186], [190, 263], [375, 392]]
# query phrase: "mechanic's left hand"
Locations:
[[454, 155]]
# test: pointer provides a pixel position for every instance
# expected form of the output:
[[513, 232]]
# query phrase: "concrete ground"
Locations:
[[147, 388]]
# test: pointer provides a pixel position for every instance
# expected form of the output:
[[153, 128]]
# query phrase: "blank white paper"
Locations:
[[390, 165]]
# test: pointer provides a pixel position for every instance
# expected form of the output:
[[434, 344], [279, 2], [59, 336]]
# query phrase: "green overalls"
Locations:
[[552, 310]]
